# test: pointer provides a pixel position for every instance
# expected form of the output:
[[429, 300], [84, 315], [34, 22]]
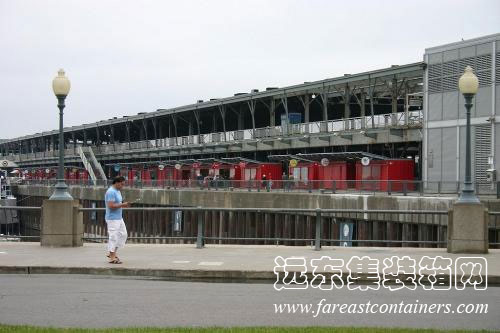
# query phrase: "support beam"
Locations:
[[154, 122], [98, 137], [112, 133], [324, 97], [251, 106], [145, 127], [306, 102], [84, 137], [222, 112], [127, 126], [347, 101], [371, 93], [197, 119], [174, 121]]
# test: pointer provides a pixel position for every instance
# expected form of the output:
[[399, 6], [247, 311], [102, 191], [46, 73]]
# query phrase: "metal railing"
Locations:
[[389, 187], [19, 223], [199, 217], [316, 226]]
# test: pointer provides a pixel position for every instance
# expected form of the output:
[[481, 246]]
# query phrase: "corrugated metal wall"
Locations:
[[446, 104]]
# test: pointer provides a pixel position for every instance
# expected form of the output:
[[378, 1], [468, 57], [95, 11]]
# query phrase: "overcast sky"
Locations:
[[125, 57]]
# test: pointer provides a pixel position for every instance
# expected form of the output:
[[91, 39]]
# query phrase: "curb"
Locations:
[[175, 274], [179, 274]]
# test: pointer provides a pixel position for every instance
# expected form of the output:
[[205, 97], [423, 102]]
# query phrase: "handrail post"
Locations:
[[405, 189], [200, 243], [317, 240]]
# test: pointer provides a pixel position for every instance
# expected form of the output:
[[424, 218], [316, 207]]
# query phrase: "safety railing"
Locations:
[[197, 225], [368, 186], [278, 226], [20, 223], [493, 228]]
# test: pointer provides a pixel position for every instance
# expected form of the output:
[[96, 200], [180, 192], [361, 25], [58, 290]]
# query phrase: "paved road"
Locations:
[[90, 301]]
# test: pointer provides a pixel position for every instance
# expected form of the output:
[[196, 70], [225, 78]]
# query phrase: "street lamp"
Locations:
[[468, 85], [61, 86]]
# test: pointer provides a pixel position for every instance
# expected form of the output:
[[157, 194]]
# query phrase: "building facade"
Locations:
[[444, 111]]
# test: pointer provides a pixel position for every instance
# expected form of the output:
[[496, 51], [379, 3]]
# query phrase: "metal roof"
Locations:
[[337, 156], [408, 71], [236, 160]]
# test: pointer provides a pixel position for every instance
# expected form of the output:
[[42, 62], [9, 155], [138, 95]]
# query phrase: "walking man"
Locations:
[[117, 231]]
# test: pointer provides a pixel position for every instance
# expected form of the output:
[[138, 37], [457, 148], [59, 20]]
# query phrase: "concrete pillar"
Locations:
[[62, 224], [468, 228]]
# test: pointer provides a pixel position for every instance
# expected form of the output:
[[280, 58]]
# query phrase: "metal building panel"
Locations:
[[434, 154], [497, 101], [450, 55], [435, 107], [483, 102], [484, 48], [482, 149], [449, 148], [466, 52], [450, 105], [497, 148], [435, 58], [497, 66]]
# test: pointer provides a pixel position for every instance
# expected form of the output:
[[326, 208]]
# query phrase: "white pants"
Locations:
[[117, 233]]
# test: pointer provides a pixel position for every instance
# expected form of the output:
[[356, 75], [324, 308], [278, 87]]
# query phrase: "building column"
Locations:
[[324, 98], [306, 108], [98, 136], [222, 111], [394, 100], [362, 96], [251, 106], [272, 113], [347, 107]]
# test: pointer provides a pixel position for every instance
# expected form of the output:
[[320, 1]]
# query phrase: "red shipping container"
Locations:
[[382, 175]]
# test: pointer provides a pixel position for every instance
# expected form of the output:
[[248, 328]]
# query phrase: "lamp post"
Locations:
[[61, 86], [468, 85]]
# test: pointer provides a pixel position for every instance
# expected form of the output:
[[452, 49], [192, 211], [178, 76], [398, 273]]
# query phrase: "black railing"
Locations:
[[319, 226]]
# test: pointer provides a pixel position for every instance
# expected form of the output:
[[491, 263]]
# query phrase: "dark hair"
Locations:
[[118, 179]]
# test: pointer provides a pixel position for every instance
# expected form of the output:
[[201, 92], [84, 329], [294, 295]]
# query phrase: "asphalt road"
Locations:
[[88, 301]]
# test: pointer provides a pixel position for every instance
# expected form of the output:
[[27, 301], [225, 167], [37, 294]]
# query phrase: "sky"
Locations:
[[125, 57]]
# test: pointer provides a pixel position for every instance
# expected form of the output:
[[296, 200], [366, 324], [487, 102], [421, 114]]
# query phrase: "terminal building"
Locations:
[[406, 111]]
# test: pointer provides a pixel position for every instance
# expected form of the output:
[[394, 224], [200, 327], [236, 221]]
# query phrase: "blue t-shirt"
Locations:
[[113, 195]]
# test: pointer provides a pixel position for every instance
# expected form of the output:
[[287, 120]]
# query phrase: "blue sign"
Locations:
[[117, 167], [346, 231], [177, 226]]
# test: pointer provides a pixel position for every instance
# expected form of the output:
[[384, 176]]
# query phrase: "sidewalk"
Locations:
[[175, 261]]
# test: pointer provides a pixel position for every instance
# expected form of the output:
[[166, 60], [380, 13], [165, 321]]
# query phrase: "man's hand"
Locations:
[[126, 204]]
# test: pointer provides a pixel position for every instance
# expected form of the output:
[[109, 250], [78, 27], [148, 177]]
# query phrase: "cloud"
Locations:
[[125, 57]]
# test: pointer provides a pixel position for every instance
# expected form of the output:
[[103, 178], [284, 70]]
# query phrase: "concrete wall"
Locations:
[[244, 199]]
